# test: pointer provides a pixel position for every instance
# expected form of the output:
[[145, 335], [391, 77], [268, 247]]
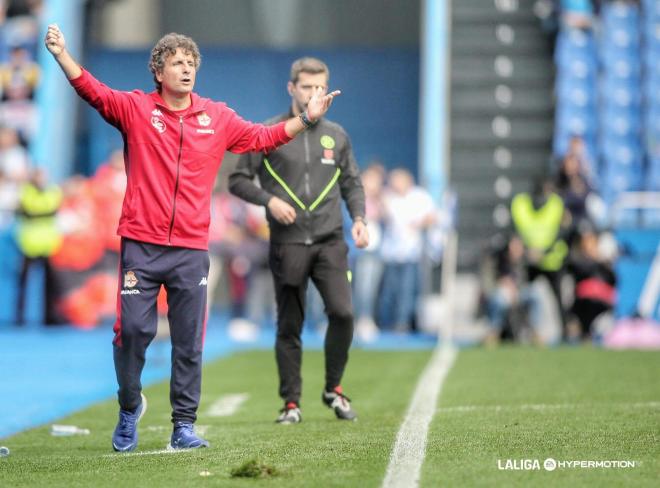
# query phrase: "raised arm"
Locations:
[[115, 106], [56, 45]]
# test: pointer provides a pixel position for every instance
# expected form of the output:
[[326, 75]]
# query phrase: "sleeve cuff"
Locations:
[[76, 82], [281, 133]]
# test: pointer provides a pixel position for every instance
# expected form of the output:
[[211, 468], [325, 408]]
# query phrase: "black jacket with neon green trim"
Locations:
[[313, 172]]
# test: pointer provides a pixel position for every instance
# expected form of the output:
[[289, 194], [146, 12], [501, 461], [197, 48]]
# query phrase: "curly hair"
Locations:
[[166, 47]]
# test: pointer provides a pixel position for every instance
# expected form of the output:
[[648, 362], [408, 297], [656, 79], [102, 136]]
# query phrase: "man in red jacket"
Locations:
[[174, 142]]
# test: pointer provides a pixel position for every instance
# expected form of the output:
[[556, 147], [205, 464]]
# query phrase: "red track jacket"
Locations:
[[172, 159]]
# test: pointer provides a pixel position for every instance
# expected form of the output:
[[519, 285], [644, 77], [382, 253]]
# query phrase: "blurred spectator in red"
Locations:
[[85, 268], [108, 188], [83, 244], [595, 283], [38, 237], [408, 211]]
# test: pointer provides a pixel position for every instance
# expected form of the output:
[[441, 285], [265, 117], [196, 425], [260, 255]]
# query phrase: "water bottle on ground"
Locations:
[[67, 430]]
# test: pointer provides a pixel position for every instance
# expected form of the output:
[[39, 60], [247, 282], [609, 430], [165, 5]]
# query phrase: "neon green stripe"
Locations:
[[325, 190], [284, 185]]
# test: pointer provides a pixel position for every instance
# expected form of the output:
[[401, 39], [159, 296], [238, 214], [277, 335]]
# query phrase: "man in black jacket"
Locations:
[[301, 185]]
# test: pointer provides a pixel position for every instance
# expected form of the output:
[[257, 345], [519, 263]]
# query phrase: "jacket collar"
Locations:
[[198, 103]]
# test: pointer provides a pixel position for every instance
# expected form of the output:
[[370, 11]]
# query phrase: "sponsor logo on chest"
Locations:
[[328, 144]]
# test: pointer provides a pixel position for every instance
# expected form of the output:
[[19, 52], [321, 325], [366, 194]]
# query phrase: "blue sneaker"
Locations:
[[125, 436], [184, 437]]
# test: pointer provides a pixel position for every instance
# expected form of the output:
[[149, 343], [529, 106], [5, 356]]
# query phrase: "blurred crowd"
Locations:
[[19, 76], [69, 231], [406, 230], [558, 241], [557, 250]]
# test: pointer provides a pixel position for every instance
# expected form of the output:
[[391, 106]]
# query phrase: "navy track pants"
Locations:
[[183, 272]]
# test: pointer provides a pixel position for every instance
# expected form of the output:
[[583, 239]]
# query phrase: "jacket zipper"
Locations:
[[308, 191], [176, 183]]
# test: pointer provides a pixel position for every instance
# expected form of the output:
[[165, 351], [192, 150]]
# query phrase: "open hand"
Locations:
[[54, 40], [319, 104]]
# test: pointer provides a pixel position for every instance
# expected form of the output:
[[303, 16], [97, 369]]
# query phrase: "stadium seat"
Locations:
[[613, 58], [651, 90], [580, 91], [617, 180], [620, 122], [651, 9], [573, 120], [622, 93], [621, 152], [619, 14], [565, 60]]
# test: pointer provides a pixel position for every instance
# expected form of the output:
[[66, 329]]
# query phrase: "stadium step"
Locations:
[[501, 113]]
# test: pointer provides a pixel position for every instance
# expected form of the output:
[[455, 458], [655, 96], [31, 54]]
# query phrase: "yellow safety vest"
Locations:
[[539, 229], [37, 233]]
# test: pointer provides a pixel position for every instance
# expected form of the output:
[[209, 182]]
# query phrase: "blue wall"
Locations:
[[378, 106]]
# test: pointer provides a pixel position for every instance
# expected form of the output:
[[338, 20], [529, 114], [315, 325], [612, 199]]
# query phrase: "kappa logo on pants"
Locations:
[[203, 281]]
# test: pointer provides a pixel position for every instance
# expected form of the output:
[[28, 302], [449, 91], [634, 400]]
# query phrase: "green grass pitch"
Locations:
[[496, 405]]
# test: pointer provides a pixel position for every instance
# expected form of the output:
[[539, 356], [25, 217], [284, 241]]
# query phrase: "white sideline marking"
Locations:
[[227, 405], [410, 446], [542, 407]]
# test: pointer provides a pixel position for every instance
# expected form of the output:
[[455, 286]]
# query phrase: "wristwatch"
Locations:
[[305, 120]]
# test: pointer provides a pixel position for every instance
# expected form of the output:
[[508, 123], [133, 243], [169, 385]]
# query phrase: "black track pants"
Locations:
[[327, 265]]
